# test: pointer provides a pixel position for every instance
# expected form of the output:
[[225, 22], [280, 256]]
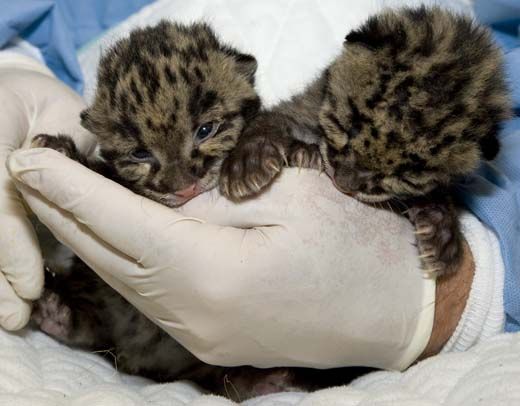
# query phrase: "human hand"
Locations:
[[33, 101], [301, 276]]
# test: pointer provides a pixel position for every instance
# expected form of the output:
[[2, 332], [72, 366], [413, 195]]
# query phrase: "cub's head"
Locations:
[[170, 105], [414, 101]]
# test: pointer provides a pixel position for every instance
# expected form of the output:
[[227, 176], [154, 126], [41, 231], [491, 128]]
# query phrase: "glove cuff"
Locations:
[[15, 60], [483, 316]]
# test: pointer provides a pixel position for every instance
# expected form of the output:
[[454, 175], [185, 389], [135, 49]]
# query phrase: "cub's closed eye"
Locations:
[[206, 131], [141, 155]]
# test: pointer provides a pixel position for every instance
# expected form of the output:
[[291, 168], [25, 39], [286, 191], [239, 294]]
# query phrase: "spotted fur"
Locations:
[[414, 102], [156, 89]]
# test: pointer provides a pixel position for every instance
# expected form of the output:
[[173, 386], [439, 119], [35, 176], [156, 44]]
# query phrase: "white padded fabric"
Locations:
[[292, 40], [37, 371]]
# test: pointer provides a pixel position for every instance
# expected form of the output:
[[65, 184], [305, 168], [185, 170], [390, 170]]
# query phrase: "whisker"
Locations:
[[389, 205]]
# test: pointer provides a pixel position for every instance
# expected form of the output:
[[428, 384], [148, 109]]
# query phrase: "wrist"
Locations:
[[469, 304], [451, 295], [483, 316]]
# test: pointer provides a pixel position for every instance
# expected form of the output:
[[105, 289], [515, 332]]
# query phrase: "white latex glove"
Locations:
[[32, 101], [301, 276]]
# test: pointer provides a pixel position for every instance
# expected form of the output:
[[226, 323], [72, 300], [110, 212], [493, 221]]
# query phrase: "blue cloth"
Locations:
[[493, 194], [59, 27]]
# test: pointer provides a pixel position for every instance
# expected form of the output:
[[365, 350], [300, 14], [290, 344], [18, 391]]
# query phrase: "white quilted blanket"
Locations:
[[292, 41], [36, 371]]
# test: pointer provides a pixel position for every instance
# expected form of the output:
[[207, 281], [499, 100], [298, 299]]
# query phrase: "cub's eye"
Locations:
[[206, 131], [141, 155]]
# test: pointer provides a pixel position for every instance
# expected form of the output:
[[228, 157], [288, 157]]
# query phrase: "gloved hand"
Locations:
[[302, 276], [33, 102]]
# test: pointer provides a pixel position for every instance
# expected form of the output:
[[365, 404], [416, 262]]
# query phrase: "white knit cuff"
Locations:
[[484, 315]]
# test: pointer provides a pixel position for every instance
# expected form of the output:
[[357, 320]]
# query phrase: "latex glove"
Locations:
[[33, 102], [301, 276]]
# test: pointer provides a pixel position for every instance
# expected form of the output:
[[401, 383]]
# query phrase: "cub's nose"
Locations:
[[347, 180], [189, 192]]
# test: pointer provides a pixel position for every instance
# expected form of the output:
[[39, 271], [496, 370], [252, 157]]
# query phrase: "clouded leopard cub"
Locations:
[[414, 102], [170, 104]]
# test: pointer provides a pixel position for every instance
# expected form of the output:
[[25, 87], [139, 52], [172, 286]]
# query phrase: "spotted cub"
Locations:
[[171, 103], [413, 103]]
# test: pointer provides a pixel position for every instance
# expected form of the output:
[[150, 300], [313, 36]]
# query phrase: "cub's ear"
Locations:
[[378, 32], [369, 35], [87, 120], [356, 37], [489, 147], [247, 66]]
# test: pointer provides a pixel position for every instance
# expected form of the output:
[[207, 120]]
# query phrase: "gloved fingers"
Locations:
[[127, 222], [157, 292], [20, 259], [134, 239], [146, 231], [14, 311], [96, 253], [122, 273]]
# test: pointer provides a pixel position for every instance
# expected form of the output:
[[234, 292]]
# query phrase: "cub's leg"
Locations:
[[61, 143], [71, 308], [260, 155], [438, 234]]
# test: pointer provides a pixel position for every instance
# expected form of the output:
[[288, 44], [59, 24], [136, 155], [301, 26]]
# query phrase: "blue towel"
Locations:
[[59, 27], [493, 194]]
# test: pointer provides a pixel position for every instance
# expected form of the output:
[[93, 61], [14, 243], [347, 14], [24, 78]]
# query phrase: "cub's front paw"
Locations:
[[251, 168], [61, 143], [438, 236], [240, 384], [305, 156], [52, 316]]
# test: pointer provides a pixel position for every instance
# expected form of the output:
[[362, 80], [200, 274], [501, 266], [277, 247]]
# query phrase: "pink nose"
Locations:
[[190, 191]]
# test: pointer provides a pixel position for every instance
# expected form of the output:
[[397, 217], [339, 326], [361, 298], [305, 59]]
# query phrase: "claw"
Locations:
[[240, 191], [423, 230], [273, 166], [427, 254], [284, 158], [256, 185], [224, 188], [300, 163], [234, 192], [429, 274]]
